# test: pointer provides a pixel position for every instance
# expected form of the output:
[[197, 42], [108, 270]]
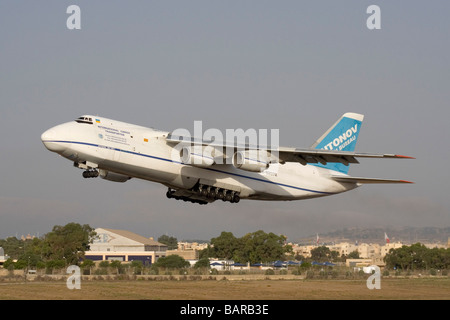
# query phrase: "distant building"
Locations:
[[344, 248], [185, 254], [27, 237], [3, 257], [373, 252], [358, 262], [122, 245], [304, 251], [384, 250], [188, 250]]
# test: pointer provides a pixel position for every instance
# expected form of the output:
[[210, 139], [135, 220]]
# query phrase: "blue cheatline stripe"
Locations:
[[201, 155], [268, 181], [210, 169]]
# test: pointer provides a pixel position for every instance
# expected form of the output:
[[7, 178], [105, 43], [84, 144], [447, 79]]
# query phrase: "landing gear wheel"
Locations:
[[90, 174]]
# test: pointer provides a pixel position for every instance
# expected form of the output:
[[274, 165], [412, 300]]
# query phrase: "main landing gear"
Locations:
[[218, 193], [209, 193], [171, 195], [93, 173]]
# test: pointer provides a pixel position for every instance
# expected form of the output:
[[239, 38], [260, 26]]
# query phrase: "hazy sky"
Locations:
[[293, 65]]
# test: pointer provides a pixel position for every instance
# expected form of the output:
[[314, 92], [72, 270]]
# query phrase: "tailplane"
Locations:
[[342, 136]]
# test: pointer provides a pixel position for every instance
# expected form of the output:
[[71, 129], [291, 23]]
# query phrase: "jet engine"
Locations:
[[198, 159], [111, 176], [251, 160]]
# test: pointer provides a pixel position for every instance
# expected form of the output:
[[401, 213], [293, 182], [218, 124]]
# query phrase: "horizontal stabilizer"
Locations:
[[367, 180]]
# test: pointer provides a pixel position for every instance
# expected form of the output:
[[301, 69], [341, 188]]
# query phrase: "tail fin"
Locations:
[[341, 136]]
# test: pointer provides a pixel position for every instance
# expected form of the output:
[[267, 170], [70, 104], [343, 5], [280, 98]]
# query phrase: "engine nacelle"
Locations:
[[111, 176], [198, 159], [251, 160]]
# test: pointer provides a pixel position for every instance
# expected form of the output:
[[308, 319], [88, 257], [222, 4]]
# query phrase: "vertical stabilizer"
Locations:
[[342, 136]]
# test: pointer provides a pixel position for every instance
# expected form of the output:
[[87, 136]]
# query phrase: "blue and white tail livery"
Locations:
[[342, 136]]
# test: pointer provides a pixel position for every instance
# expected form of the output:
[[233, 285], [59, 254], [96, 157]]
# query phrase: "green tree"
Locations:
[[261, 247], [171, 242], [321, 254], [253, 247], [300, 257], [172, 262], [224, 246], [207, 252], [137, 266], [55, 264], [13, 247], [9, 264], [104, 264], [334, 255], [202, 263], [417, 256], [87, 264], [67, 243], [31, 255], [116, 265]]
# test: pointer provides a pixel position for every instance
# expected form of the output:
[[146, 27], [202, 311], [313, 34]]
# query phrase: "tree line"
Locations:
[[63, 246], [66, 245], [418, 257], [254, 247]]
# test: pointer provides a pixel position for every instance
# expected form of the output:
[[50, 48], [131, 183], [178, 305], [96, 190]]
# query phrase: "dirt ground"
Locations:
[[391, 289]]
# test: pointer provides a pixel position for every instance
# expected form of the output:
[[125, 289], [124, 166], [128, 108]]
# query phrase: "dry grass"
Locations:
[[404, 289]]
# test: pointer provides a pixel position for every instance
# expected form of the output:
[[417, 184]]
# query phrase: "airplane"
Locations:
[[118, 151]]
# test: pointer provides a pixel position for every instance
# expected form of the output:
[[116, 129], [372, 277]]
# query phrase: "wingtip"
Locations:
[[406, 181], [403, 157]]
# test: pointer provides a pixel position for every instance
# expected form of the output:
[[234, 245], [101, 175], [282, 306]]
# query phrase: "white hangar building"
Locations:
[[122, 245]]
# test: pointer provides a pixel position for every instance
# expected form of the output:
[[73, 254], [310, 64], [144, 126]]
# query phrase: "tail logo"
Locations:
[[343, 140]]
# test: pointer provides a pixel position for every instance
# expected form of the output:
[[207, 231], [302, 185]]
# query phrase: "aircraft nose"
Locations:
[[50, 140], [47, 136]]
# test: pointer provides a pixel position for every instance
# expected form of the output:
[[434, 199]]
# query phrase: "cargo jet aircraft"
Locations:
[[119, 151]]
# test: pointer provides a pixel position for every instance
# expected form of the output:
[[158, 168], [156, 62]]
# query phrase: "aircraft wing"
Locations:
[[305, 156], [289, 154], [366, 180]]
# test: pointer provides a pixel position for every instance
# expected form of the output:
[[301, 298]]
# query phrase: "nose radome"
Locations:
[[50, 140], [47, 136]]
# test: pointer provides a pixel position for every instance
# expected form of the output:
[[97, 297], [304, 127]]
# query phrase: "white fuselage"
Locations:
[[139, 152]]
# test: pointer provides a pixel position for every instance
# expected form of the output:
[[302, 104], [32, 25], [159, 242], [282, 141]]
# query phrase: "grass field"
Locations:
[[391, 289]]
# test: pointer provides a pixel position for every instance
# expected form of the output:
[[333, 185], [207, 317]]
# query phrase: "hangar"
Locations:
[[126, 246]]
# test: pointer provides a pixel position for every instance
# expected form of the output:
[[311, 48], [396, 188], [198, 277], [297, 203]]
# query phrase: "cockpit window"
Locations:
[[86, 120]]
